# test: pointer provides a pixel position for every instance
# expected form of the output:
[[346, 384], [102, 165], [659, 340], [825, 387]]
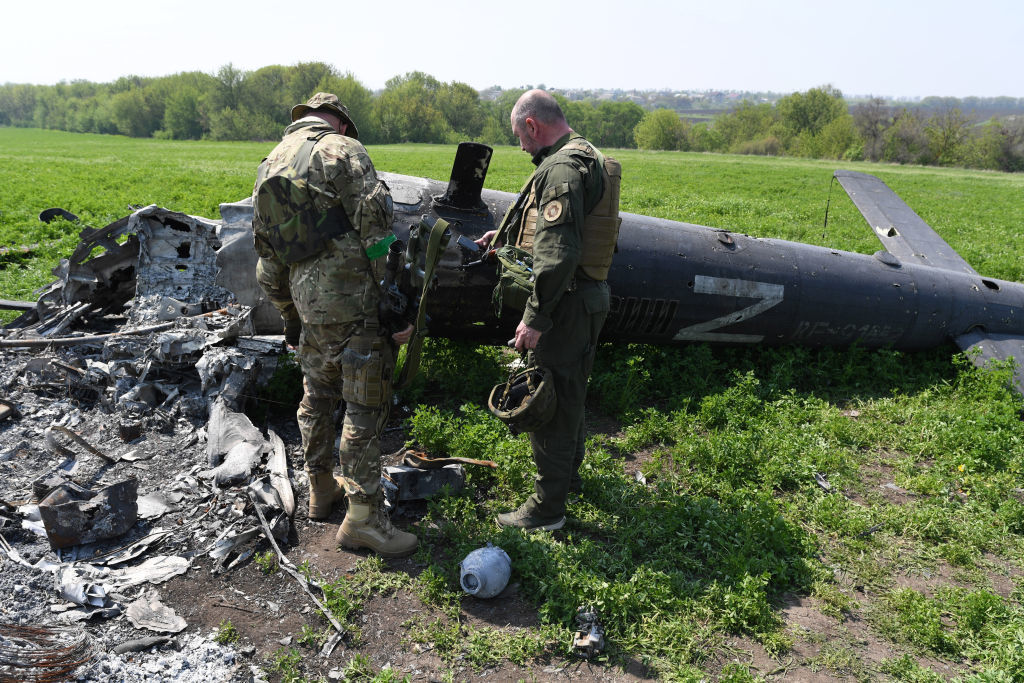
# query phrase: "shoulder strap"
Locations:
[[336, 214], [305, 155], [511, 213]]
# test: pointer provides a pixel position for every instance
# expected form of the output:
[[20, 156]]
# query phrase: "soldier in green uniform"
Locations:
[[322, 225], [567, 217]]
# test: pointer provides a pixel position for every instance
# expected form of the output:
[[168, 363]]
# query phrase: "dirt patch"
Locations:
[[270, 611], [927, 580], [1004, 576]]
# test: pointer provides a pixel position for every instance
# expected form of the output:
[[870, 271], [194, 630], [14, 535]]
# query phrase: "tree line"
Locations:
[[819, 124], [254, 105]]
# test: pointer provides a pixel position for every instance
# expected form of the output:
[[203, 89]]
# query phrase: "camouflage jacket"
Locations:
[[340, 174], [567, 188]]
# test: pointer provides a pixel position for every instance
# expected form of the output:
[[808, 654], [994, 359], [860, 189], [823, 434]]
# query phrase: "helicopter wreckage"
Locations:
[[145, 353]]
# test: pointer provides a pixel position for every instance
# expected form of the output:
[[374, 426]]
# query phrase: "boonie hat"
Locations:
[[327, 102]]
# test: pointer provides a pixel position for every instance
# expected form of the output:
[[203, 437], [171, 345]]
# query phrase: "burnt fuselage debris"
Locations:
[[125, 454]]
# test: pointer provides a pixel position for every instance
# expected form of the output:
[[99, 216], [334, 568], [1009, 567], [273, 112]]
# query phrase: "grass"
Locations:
[[883, 488]]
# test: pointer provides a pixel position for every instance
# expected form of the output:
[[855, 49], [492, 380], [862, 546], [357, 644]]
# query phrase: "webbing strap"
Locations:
[[502, 231], [430, 260]]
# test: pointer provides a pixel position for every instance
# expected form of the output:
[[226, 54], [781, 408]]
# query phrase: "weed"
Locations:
[[360, 669], [734, 672], [841, 660], [288, 663], [267, 561], [834, 602], [226, 633], [312, 638], [905, 668], [339, 598], [911, 617]]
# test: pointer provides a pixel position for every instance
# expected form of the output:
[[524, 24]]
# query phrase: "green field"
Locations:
[[729, 558]]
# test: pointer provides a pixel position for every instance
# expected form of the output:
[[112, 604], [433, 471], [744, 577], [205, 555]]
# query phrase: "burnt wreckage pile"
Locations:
[[124, 452]]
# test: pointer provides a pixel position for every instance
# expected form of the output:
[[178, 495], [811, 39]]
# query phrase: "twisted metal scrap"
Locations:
[[40, 653]]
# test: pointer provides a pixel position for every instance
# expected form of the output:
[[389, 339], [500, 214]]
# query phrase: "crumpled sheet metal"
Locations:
[[238, 465], [72, 515], [225, 429], [236, 261], [74, 588], [226, 374], [149, 613], [106, 281], [278, 466]]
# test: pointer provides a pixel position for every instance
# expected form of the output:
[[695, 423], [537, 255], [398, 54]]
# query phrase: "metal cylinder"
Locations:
[[485, 571]]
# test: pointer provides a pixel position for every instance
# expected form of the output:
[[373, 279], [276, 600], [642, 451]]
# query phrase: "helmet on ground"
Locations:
[[526, 402]]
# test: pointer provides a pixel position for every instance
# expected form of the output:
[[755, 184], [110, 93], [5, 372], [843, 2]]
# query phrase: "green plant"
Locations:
[[267, 561], [916, 619], [312, 638], [904, 668], [226, 633], [288, 663]]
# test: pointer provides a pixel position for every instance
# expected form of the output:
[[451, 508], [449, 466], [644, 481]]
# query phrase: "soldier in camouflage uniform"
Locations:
[[322, 224], [569, 221]]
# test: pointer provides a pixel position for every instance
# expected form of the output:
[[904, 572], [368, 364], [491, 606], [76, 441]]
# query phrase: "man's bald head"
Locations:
[[538, 105], [537, 120]]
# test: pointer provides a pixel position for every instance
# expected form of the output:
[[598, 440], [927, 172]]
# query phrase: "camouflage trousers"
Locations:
[[343, 356], [567, 350], [355, 364]]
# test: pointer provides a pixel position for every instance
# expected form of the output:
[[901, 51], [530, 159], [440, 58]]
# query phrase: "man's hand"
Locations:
[[485, 240], [526, 337], [404, 336]]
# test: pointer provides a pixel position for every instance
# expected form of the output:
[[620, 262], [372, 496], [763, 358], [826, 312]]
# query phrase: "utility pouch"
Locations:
[[366, 371], [515, 279]]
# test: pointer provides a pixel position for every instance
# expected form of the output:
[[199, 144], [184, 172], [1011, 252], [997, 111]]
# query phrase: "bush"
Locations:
[[660, 129], [769, 147]]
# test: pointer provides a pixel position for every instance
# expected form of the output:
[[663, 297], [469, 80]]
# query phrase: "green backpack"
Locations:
[[285, 216]]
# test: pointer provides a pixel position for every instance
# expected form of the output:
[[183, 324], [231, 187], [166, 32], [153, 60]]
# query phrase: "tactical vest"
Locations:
[[284, 215], [600, 226]]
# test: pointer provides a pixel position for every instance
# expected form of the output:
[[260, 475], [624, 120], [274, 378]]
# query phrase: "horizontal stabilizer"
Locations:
[[903, 233], [996, 347]]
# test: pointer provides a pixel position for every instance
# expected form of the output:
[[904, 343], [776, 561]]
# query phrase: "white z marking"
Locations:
[[768, 293]]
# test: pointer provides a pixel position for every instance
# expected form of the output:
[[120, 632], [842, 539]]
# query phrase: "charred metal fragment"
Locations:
[[73, 515]]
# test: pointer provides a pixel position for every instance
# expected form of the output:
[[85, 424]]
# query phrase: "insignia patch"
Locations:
[[552, 211]]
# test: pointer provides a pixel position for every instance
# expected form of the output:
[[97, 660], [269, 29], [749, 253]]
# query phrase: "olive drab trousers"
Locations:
[[567, 350]]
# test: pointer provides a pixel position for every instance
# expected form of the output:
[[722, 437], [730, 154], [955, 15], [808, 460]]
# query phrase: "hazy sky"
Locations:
[[890, 48]]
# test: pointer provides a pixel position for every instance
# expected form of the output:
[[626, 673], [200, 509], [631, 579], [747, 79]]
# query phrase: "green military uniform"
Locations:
[[567, 307], [335, 294]]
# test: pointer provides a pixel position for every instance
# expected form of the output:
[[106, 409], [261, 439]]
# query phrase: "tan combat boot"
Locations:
[[367, 525], [325, 490]]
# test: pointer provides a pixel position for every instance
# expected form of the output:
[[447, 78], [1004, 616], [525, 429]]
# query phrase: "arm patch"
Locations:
[[553, 211]]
